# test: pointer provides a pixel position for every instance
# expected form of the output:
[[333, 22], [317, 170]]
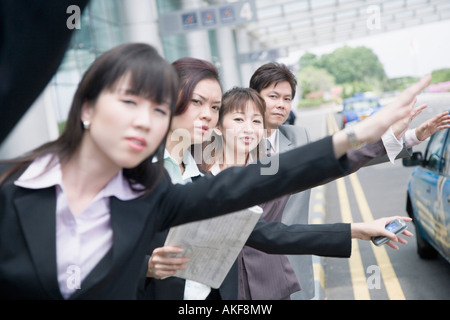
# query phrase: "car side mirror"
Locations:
[[415, 160]]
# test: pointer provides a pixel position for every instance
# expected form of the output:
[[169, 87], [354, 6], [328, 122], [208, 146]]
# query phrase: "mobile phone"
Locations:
[[396, 226]]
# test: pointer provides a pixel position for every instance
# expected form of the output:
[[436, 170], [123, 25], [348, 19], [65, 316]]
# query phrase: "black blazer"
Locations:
[[27, 222], [30, 52], [329, 240]]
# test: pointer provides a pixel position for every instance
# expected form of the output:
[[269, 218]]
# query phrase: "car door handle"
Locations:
[[428, 189]]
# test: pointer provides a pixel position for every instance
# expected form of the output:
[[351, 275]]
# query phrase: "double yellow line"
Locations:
[[357, 271]]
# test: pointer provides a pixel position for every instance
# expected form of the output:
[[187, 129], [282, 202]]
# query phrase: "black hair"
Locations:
[[150, 76], [273, 73]]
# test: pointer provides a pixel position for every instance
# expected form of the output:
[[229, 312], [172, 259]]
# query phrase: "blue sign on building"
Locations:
[[209, 18], [236, 13], [227, 14], [189, 20]]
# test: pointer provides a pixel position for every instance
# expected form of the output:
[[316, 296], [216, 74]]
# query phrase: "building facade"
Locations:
[[108, 23]]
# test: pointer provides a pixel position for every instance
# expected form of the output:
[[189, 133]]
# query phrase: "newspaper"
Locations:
[[212, 245]]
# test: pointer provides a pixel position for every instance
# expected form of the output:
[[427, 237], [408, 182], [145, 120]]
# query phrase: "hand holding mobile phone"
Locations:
[[396, 226]]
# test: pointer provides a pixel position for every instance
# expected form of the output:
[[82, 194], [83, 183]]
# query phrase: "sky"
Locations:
[[414, 51]]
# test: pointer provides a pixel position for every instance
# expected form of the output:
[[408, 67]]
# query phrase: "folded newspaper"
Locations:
[[212, 245]]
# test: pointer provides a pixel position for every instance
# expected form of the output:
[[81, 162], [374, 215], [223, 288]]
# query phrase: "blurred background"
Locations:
[[360, 50], [336, 48]]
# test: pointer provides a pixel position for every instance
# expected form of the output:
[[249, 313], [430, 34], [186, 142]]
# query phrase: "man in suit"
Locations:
[[277, 85]]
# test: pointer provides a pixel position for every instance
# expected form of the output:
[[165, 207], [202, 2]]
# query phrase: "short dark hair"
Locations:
[[237, 98], [273, 72]]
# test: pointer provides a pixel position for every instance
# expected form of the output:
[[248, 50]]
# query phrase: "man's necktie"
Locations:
[[269, 148]]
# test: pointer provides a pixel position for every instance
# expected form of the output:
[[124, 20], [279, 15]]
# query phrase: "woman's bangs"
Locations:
[[240, 103], [147, 75], [155, 83]]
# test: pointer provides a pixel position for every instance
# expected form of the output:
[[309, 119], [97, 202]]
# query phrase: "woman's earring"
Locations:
[[86, 125]]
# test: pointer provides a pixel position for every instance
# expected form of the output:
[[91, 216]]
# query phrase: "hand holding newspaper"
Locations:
[[212, 245]]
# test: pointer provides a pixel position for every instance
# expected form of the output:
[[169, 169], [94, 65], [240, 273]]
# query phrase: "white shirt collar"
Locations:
[[45, 172], [190, 166], [273, 139], [191, 169], [215, 169]]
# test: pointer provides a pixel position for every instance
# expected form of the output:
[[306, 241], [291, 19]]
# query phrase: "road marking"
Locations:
[[356, 267], [319, 274], [393, 287], [360, 289], [358, 276], [318, 217]]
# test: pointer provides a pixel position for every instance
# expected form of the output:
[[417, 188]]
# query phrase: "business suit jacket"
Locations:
[[301, 241], [33, 41], [297, 208], [27, 222], [328, 240]]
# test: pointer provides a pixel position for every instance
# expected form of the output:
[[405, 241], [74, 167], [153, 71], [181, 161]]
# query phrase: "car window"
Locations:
[[434, 153], [445, 166]]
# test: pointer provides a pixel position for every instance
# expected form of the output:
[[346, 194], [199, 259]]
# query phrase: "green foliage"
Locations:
[[355, 70], [398, 84], [350, 88], [311, 79], [305, 103], [349, 65], [308, 60], [441, 75]]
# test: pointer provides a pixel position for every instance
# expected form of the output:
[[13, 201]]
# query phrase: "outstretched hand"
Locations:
[[399, 128], [367, 230], [438, 122], [371, 129]]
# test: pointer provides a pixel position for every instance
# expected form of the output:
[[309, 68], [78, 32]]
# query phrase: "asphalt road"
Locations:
[[374, 273], [410, 277]]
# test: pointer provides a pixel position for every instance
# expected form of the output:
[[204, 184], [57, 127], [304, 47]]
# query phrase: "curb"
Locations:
[[317, 216]]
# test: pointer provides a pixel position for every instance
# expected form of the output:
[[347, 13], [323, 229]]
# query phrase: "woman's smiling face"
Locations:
[[242, 130]]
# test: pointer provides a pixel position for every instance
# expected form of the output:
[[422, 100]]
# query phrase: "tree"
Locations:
[[441, 75], [308, 59], [311, 79], [349, 65]]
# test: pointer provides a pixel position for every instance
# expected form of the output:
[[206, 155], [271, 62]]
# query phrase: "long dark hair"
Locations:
[[151, 77]]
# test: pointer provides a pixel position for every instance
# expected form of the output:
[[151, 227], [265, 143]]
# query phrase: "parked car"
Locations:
[[428, 196], [359, 107]]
